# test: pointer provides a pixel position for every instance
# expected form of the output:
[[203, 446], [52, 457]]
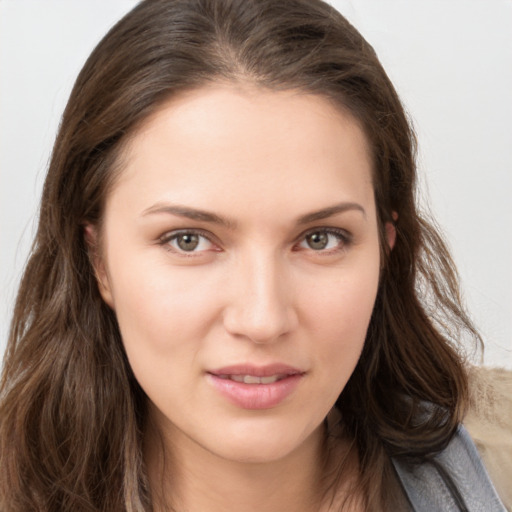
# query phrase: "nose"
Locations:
[[261, 306]]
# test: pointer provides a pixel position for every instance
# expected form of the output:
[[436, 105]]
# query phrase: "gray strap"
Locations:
[[455, 480]]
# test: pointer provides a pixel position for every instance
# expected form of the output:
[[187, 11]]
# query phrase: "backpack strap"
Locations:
[[454, 480]]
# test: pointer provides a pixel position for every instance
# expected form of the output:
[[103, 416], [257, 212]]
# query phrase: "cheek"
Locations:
[[344, 303], [159, 307], [338, 315], [164, 316]]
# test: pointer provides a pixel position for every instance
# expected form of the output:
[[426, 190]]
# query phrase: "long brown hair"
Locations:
[[72, 415]]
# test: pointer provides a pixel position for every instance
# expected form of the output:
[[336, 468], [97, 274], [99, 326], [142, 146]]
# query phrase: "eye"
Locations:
[[188, 241], [326, 239]]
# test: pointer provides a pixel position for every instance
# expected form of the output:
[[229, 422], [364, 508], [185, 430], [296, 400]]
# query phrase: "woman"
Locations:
[[232, 301]]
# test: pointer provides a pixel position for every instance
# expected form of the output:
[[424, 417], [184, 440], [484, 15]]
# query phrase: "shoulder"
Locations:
[[452, 480]]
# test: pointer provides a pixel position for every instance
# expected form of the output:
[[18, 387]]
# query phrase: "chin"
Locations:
[[255, 444]]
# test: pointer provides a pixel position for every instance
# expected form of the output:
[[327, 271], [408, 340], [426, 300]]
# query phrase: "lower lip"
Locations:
[[255, 396]]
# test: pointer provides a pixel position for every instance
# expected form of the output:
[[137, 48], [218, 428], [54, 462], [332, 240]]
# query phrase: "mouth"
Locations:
[[250, 387], [254, 379], [252, 374]]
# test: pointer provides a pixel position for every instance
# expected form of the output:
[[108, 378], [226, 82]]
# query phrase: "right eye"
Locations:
[[187, 242]]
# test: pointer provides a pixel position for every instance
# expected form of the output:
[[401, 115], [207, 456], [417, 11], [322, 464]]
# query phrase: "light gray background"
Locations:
[[451, 61]]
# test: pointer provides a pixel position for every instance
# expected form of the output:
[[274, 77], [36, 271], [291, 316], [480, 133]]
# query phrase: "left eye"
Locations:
[[322, 240], [188, 241]]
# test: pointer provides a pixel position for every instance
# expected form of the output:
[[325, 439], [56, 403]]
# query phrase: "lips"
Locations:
[[251, 387], [253, 379]]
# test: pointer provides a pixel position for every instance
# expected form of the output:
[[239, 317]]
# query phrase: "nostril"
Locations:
[[258, 327]]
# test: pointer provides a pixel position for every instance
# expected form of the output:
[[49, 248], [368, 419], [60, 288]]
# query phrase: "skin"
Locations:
[[256, 289]]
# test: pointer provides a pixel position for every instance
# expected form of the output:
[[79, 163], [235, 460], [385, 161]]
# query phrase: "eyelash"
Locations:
[[174, 235], [344, 237]]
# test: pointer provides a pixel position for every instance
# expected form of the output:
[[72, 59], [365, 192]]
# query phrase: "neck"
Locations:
[[193, 479]]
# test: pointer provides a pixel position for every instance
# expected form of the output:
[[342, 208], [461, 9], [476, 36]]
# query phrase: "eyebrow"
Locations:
[[205, 216], [325, 213], [189, 213]]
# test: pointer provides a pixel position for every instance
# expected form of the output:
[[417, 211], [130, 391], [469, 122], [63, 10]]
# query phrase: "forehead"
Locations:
[[221, 145]]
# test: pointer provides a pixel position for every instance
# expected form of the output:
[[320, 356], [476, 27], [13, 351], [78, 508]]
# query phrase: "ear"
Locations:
[[91, 237], [391, 231]]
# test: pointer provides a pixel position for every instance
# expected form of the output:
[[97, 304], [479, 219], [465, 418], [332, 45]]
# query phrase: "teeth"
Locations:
[[269, 380], [252, 379]]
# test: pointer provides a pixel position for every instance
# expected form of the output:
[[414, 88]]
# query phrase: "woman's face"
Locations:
[[241, 257]]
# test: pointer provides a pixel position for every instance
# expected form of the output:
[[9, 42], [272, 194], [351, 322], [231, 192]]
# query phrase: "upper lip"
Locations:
[[257, 371]]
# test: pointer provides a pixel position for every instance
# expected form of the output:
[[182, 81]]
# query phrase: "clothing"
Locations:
[[489, 423], [455, 480]]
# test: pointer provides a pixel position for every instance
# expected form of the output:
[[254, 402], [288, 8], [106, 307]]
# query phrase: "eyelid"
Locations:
[[168, 236], [345, 237]]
